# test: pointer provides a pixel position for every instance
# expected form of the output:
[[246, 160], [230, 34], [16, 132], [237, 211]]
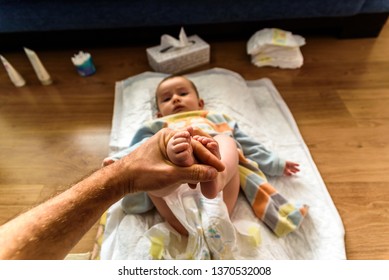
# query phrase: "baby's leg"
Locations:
[[227, 180], [180, 152], [167, 214]]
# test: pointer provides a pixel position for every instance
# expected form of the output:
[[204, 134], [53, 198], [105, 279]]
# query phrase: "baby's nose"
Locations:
[[176, 98]]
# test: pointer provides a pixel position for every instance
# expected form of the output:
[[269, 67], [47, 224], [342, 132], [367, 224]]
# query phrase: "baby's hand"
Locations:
[[291, 168]]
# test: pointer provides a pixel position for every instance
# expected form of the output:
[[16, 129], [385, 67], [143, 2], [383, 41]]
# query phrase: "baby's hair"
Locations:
[[171, 77]]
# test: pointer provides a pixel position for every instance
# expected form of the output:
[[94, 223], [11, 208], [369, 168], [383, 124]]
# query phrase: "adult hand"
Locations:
[[148, 168]]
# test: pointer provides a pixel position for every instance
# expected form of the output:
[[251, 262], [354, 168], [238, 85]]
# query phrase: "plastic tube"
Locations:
[[14, 75], [40, 70]]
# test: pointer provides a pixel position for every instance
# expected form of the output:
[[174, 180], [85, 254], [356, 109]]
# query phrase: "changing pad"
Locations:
[[261, 113]]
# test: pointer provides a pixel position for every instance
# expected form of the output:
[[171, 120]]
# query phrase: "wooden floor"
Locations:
[[52, 136]]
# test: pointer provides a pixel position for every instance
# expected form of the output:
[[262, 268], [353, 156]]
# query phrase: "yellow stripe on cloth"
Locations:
[[285, 225]]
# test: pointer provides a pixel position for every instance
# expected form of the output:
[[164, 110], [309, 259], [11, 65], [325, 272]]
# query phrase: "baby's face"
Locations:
[[177, 95]]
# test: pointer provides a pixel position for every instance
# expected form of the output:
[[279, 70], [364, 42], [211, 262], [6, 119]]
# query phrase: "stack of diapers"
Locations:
[[271, 218]]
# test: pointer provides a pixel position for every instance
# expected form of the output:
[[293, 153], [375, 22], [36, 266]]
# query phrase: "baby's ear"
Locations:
[[201, 103]]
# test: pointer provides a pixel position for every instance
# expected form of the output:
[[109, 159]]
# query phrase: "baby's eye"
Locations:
[[183, 93], [166, 99]]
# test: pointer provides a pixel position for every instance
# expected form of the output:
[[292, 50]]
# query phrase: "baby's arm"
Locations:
[[269, 161]]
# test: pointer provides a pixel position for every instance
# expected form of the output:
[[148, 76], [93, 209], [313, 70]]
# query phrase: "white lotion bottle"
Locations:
[[14, 75], [40, 70]]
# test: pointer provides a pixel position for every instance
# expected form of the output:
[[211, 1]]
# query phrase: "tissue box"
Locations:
[[175, 60]]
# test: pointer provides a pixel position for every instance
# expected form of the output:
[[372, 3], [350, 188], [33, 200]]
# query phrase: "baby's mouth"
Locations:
[[178, 109]]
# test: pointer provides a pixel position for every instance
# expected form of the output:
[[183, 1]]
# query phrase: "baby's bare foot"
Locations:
[[209, 143], [180, 152], [179, 149], [210, 189]]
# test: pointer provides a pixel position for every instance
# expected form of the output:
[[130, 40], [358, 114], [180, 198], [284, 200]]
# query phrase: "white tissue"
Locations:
[[168, 41], [80, 58]]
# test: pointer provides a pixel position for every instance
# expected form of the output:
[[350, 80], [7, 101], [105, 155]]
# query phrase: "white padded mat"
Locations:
[[261, 113]]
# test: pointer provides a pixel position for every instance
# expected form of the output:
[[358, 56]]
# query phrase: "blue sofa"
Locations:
[[138, 20]]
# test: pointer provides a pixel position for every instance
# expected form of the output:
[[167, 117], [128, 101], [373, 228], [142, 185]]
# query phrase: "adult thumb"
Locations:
[[198, 173]]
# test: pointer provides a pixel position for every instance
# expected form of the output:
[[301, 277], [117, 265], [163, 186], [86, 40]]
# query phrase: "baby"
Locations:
[[180, 107]]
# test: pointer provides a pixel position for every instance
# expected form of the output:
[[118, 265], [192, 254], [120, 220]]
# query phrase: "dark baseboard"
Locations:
[[358, 26]]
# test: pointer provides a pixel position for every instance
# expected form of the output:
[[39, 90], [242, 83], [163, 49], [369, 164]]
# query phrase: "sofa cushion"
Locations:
[[24, 16]]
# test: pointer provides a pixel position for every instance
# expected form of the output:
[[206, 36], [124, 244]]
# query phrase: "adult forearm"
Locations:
[[51, 230]]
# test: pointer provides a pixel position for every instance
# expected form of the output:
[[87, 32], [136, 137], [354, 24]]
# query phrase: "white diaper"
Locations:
[[211, 234]]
